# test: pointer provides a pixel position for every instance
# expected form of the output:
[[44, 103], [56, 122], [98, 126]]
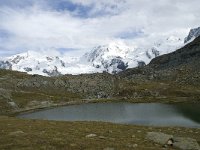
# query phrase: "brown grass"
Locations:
[[72, 135]]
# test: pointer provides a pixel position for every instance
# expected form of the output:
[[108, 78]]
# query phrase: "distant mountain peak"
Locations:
[[114, 57], [194, 33], [117, 56]]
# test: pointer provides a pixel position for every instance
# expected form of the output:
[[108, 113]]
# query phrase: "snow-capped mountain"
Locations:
[[4, 64], [117, 56], [194, 33], [112, 58], [45, 64]]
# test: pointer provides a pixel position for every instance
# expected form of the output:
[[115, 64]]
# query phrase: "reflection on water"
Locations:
[[191, 111], [143, 114]]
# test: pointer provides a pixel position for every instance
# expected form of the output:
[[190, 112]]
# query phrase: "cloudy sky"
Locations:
[[72, 25]]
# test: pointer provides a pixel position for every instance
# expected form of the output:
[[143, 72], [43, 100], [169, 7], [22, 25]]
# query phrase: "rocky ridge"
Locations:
[[194, 33]]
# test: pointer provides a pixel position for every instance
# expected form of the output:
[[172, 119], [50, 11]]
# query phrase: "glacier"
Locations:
[[112, 58]]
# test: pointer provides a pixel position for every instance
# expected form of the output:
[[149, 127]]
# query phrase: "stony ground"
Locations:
[[19, 134]]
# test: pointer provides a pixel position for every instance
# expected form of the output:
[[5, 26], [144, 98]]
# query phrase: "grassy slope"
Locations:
[[72, 135]]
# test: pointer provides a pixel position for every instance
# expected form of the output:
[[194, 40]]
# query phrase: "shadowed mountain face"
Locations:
[[194, 33], [182, 64], [188, 56]]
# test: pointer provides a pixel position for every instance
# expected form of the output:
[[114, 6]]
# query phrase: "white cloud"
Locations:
[[39, 27]]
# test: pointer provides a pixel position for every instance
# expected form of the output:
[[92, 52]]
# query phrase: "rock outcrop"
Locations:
[[194, 33]]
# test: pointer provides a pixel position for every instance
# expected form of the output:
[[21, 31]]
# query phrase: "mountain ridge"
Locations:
[[194, 33], [111, 58]]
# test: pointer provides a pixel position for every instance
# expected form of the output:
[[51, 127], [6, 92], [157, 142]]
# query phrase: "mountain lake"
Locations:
[[153, 114]]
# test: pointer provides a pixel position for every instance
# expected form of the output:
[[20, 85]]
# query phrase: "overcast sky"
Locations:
[[70, 25]]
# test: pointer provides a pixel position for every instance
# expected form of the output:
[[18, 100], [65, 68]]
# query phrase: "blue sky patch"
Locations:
[[76, 9], [130, 34], [16, 3], [4, 35]]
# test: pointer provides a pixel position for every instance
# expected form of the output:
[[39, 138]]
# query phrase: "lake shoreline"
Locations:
[[86, 101]]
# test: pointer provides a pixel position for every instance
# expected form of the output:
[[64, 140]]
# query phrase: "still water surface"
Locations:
[[155, 114]]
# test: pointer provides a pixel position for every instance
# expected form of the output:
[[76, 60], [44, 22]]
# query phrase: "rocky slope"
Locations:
[[183, 64], [176, 73]]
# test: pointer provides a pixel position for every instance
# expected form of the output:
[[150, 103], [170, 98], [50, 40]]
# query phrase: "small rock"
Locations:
[[112, 139], [13, 104], [138, 131], [190, 131], [16, 133], [165, 146], [102, 137], [131, 145], [170, 142], [133, 136], [150, 128], [90, 135], [110, 131], [42, 132], [109, 148], [73, 145], [135, 145]]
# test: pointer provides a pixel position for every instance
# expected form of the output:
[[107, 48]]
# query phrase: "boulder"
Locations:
[[183, 143], [158, 137], [186, 143]]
